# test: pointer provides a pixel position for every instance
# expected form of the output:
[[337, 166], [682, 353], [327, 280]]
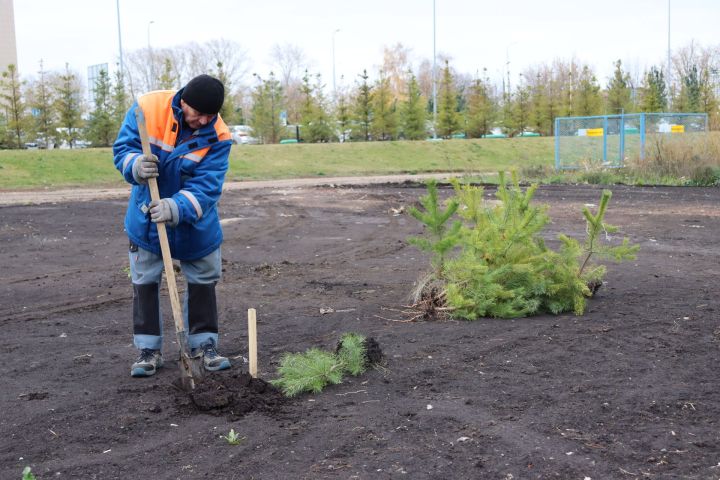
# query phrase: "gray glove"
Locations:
[[164, 211], [145, 166]]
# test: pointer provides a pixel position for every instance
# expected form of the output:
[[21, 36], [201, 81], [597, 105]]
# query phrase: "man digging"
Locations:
[[190, 146]]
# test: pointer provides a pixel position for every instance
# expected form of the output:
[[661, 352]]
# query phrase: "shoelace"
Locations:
[[209, 350], [146, 354]]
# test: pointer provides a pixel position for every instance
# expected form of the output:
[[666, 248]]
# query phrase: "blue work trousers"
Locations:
[[199, 304]]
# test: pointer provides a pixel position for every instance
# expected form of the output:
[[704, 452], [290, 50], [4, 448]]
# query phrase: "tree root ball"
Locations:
[[373, 353]]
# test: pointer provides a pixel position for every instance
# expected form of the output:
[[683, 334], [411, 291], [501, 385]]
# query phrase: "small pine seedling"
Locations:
[[443, 236], [232, 438], [352, 353], [310, 371]]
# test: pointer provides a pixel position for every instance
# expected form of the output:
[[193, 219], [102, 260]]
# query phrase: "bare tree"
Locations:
[[291, 61], [396, 63], [150, 69], [205, 58]]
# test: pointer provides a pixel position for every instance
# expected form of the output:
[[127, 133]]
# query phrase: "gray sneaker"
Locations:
[[212, 360], [147, 363]]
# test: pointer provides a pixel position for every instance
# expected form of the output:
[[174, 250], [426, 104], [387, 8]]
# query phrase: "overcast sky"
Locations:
[[476, 34]]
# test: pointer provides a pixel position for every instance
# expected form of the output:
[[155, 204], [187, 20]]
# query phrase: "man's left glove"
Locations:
[[164, 211]]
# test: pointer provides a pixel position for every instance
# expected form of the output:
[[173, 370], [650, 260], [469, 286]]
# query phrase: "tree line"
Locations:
[[293, 102]]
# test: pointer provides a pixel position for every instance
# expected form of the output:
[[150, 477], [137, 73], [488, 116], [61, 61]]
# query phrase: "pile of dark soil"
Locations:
[[234, 394]]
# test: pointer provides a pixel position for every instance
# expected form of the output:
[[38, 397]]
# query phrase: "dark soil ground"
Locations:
[[629, 390]]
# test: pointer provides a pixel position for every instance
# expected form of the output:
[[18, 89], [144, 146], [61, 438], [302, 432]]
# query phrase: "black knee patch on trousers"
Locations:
[[146, 309], [202, 308]]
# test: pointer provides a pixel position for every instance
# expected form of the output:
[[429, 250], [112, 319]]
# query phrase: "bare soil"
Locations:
[[629, 390]]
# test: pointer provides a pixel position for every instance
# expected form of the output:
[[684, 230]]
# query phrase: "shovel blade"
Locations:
[[191, 369]]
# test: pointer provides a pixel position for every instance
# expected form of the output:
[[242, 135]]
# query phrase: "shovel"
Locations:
[[190, 368]]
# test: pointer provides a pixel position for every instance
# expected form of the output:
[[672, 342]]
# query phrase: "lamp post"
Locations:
[[434, 80], [507, 66], [669, 68], [150, 56], [117, 5], [148, 32], [333, 61]]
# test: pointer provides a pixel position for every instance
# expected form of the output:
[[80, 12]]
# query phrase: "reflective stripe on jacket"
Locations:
[[192, 166]]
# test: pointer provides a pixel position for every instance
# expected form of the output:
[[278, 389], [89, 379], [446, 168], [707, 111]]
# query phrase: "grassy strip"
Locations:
[[93, 167]]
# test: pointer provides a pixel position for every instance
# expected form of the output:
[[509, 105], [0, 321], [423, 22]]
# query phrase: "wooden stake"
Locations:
[[252, 342]]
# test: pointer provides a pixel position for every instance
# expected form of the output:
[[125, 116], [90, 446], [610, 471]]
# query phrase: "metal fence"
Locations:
[[610, 140]]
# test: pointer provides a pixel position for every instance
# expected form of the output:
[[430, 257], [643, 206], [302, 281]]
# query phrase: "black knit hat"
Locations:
[[205, 94]]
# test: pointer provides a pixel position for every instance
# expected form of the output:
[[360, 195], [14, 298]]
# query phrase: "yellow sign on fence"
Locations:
[[594, 132], [677, 128]]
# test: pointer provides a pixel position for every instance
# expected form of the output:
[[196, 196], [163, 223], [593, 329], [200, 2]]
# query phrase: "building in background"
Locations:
[[8, 48]]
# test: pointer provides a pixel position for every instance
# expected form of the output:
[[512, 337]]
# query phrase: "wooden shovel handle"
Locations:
[[162, 233]]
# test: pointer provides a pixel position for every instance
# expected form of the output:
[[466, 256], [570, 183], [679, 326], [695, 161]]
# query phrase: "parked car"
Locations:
[[241, 135]]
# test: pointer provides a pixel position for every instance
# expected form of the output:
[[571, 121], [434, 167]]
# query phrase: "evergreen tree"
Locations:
[[313, 112], [654, 94], [342, 114], [14, 106], [480, 110], [384, 120], [448, 118], [412, 112], [541, 108], [619, 94], [265, 114], [69, 106], [708, 98], [101, 127], [168, 80], [44, 114], [587, 99], [228, 108], [689, 98], [552, 104], [521, 110], [120, 102], [507, 111], [362, 109]]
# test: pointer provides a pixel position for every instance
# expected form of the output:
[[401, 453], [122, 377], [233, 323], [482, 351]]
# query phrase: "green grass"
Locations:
[[93, 167]]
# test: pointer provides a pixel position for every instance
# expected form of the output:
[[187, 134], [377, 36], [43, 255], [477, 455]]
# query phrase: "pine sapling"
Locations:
[[503, 267], [443, 237], [595, 226], [314, 369], [351, 353], [310, 371]]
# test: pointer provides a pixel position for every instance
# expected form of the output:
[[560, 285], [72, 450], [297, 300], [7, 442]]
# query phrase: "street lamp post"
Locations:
[[117, 5], [507, 66], [150, 56], [148, 32], [434, 79], [333, 61], [669, 67]]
